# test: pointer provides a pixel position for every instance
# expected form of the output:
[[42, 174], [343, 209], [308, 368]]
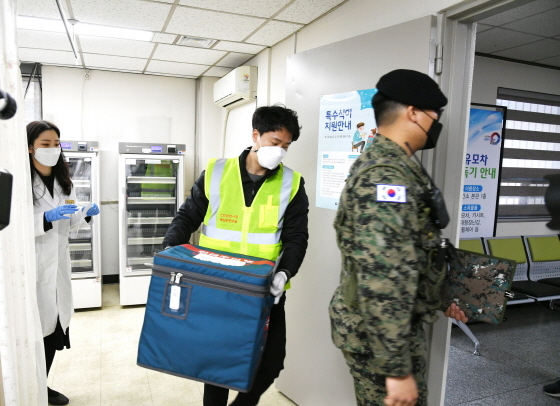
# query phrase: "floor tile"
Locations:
[[517, 358], [171, 390], [111, 295]]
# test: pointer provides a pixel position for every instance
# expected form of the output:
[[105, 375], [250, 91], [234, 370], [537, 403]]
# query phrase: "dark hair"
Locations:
[[60, 170], [385, 109], [360, 124], [274, 118]]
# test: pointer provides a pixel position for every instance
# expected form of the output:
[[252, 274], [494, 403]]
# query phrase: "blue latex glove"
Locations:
[[58, 212], [93, 210]]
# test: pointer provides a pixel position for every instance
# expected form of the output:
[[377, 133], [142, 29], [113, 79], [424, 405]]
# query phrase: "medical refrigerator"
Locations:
[[150, 193], [85, 254]]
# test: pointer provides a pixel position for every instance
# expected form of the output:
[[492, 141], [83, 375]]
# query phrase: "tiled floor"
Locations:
[[517, 358], [100, 368]]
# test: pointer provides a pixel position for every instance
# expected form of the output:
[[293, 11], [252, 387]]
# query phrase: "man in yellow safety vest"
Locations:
[[253, 205]]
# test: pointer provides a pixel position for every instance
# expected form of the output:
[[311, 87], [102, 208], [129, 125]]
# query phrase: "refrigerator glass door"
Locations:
[[151, 203], [81, 240]]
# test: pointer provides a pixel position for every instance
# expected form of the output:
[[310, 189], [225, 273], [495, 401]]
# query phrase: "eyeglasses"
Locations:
[[439, 113]]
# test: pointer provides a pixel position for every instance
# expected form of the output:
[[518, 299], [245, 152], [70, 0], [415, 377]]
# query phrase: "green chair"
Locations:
[[473, 245], [544, 258], [514, 248]]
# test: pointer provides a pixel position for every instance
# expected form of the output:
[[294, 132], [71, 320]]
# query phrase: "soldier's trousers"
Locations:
[[370, 387]]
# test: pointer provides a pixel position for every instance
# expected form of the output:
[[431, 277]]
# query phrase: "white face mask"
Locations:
[[270, 157], [47, 156]]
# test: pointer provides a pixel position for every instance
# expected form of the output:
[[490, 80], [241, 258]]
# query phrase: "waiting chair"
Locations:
[[513, 248], [544, 258], [473, 245]]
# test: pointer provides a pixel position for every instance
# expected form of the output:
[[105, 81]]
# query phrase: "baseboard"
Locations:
[[111, 278]]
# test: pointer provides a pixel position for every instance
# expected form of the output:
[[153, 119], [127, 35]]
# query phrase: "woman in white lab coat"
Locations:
[[56, 214]]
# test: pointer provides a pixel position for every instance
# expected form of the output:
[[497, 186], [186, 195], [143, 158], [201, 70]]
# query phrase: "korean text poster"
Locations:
[[346, 127], [482, 167]]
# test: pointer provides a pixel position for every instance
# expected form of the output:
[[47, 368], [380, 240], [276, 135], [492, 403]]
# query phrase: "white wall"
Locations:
[[489, 74], [239, 130], [209, 126], [112, 107], [353, 18]]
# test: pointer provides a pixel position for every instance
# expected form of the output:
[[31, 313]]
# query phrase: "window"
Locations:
[[531, 151]]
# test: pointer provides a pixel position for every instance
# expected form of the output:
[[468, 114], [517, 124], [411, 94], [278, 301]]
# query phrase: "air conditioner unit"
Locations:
[[237, 87]]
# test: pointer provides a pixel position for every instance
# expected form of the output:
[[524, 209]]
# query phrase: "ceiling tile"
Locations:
[[43, 40], [305, 11], [545, 24], [554, 61], [217, 71], [482, 27], [261, 8], [212, 24], [175, 68], [164, 38], [40, 8], [526, 10], [114, 62], [117, 47], [137, 14], [178, 53], [273, 32], [239, 47], [498, 39], [47, 57], [233, 60], [546, 48]]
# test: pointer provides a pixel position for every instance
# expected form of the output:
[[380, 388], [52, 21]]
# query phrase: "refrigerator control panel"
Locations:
[[153, 149], [79, 146]]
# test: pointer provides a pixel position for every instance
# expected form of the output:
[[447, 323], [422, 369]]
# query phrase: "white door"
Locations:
[[315, 372]]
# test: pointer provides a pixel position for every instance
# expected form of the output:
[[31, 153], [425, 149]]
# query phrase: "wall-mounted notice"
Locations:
[[482, 170], [346, 128]]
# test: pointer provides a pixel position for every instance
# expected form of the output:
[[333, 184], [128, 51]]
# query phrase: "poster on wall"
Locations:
[[483, 159], [346, 127]]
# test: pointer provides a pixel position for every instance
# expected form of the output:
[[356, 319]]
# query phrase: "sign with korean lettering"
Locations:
[[481, 176], [346, 127]]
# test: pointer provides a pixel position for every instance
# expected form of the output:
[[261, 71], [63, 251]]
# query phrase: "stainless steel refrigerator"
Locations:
[[150, 193], [85, 254]]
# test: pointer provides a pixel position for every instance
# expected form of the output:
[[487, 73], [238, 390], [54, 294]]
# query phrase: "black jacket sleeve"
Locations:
[[189, 217], [294, 233]]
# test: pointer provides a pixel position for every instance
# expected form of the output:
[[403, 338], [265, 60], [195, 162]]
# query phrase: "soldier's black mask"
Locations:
[[433, 132]]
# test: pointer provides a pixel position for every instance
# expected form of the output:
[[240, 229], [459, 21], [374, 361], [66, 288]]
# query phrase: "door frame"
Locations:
[[456, 40]]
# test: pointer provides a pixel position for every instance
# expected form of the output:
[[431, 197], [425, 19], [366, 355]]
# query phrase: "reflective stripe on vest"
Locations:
[[241, 231]]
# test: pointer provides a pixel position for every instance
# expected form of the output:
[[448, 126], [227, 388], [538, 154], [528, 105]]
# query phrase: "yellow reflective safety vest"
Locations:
[[231, 226]]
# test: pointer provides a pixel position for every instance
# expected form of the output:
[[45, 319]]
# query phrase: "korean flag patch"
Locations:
[[391, 193]]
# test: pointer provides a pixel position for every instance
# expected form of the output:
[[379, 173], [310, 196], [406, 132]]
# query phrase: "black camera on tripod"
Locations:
[[8, 108]]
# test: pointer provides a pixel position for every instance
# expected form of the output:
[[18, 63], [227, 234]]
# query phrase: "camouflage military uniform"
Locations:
[[387, 286]]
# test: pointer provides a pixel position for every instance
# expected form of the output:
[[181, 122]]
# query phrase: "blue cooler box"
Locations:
[[207, 315]]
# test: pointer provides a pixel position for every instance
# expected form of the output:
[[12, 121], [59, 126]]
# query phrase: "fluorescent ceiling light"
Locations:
[[113, 32], [196, 42], [43, 24], [40, 24]]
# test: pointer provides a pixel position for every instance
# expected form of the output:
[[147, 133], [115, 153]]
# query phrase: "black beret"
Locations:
[[412, 88]]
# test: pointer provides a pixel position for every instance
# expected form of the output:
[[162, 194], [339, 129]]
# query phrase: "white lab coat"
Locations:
[[54, 288]]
